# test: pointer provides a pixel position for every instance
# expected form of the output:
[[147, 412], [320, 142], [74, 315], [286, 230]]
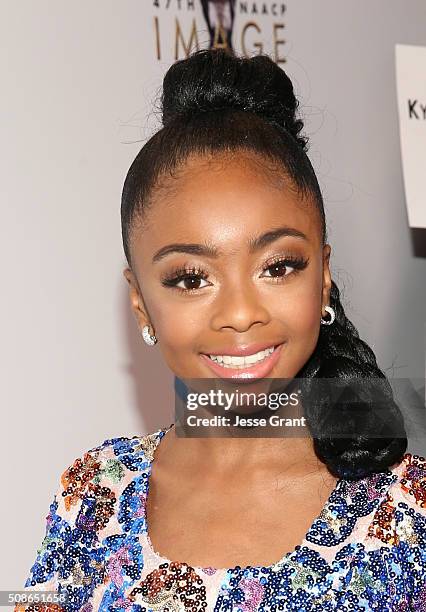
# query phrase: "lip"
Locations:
[[257, 370], [243, 350]]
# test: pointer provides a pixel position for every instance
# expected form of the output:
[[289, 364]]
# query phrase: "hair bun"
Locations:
[[215, 79]]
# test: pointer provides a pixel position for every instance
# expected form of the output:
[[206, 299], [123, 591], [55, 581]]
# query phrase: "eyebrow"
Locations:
[[254, 244]]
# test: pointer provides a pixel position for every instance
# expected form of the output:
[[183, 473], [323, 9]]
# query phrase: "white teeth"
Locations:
[[231, 361]]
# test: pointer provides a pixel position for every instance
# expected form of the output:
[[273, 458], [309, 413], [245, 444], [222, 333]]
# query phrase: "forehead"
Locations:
[[224, 199]]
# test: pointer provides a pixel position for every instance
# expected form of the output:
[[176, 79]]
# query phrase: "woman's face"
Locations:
[[241, 296]]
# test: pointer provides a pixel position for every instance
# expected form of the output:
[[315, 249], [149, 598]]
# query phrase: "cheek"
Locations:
[[299, 313], [304, 315], [299, 307], [179, 324], [182, 328]]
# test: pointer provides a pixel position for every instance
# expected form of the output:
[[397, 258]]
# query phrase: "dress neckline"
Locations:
[[156, 438]]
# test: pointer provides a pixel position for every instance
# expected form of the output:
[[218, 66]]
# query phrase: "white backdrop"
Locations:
[[78, 83]]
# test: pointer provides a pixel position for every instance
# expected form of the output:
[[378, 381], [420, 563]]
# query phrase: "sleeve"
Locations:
[[417, 559], [411, 527], [69, 560]]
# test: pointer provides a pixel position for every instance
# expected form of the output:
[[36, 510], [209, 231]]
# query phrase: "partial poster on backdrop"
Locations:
[[411, 91]]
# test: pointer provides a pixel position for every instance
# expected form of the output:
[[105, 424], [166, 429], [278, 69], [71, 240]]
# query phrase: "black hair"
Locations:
[[215, 101]]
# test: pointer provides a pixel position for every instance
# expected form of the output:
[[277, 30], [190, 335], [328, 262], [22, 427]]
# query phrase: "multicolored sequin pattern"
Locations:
[[365, 551]]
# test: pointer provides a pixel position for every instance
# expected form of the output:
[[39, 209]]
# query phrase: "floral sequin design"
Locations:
[[135, 453], [173, 586], [413, 482], [253, 591], [81, 484], [76, 478], [413, 479], [295, 583], [371, 485], [97, 508], [349, 502], [360, 579], [116, 564], [365, 551], [125, 559], [68, 554], [383, 524]]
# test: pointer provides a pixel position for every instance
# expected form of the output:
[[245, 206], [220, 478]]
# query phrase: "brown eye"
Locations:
[[190, 277], [190, 282], [278, 269], [285, 267]]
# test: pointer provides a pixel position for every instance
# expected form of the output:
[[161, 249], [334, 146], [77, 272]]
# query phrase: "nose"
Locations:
[[238, 308]]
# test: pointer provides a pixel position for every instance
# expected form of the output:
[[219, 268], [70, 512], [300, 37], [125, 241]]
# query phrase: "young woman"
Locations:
[[224, 232]]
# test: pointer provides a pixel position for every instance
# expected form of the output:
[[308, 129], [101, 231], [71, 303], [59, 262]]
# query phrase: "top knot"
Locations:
[[216, 79]]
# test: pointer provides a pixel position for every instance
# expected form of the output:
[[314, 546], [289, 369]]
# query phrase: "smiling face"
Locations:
[[272, 292]]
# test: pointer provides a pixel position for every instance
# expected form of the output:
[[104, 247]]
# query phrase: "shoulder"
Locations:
[[105, 469], [405, 502], [407, 513], [122, 445], [92, 483], [399, 519], [130, 452], [409, 486], [89, 506]]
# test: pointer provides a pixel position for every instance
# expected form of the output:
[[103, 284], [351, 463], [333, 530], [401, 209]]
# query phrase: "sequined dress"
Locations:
[[365, 551]]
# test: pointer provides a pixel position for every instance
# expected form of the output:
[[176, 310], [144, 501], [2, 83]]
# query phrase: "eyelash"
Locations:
[[298, 263]]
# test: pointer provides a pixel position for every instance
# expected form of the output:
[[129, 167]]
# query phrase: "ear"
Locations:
[[326, 281], [136, 301]]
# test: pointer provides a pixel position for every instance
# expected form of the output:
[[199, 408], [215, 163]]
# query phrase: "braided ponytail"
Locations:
[[341, 353]]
